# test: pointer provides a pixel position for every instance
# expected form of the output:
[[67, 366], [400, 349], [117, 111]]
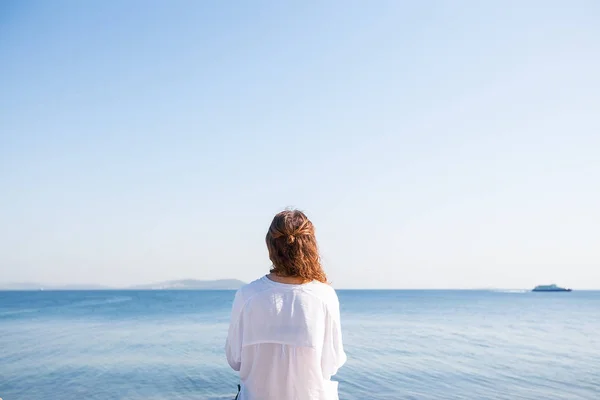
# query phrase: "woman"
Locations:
[[285, 337]]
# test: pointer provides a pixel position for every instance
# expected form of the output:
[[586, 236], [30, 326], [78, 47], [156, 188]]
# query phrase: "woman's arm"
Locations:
[[233, 344], [333, 356]]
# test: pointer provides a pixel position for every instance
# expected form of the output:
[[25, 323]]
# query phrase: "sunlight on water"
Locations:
[[401, 344]]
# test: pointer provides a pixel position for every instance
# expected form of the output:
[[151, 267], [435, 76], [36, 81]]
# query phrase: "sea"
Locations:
[[427, 345]]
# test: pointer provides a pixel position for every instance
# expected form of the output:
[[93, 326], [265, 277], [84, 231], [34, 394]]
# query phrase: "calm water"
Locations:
[[401, 345]]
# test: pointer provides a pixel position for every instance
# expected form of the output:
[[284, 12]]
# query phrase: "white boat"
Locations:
[[550, 288]]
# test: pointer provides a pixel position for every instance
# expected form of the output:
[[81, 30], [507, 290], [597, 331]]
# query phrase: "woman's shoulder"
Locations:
[[324, 291], [252, 288]]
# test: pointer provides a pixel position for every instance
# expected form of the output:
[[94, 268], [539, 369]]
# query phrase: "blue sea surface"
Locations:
[[429, 345]]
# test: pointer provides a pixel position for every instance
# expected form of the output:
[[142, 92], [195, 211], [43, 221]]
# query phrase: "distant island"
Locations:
[[192, 284], [184, 284]]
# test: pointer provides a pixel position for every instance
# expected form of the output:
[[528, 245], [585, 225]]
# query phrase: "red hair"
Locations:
[[293, 247]]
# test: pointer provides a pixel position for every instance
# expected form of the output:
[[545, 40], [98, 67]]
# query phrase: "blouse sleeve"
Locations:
[[333, 356], [233, 344]]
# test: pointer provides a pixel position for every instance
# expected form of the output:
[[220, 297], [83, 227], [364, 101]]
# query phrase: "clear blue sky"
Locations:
[[433, 144]]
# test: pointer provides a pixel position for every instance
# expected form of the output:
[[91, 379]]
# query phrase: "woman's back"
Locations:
[[285, 337], [285, 340]]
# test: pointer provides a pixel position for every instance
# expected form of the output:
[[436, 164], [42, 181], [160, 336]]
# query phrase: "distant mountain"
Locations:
[[78, 287], [192, 284], [20, 286], [185, 284], [40, 286]]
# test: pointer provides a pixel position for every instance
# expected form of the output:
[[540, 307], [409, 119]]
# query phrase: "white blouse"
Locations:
[[286, 341]]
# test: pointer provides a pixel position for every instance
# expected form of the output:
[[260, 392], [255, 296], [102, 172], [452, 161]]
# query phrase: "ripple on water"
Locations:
[[408, 345]]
